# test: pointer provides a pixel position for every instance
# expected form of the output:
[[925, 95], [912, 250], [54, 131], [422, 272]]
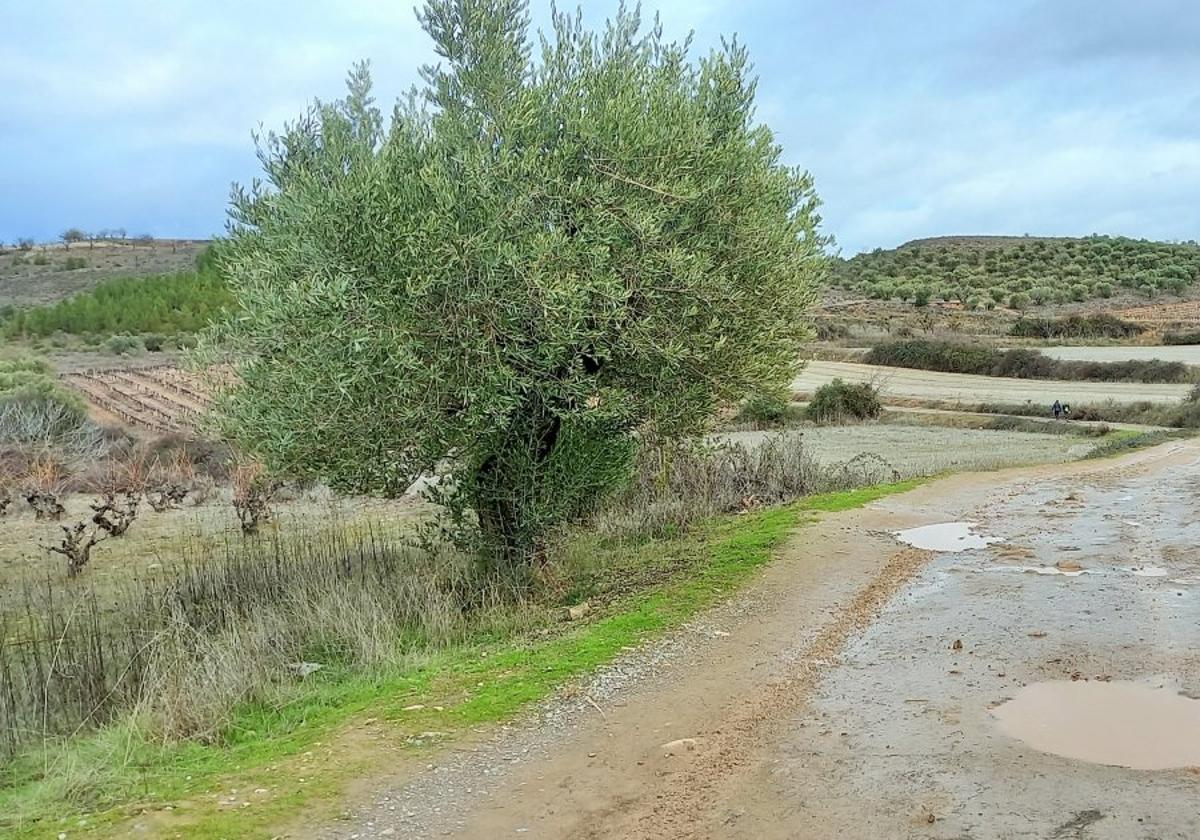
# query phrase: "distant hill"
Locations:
[[44, 274], [1020, 271]]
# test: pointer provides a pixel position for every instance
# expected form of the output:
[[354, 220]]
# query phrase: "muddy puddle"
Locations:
[[945, 537], [1070, 571], [1122, 724]]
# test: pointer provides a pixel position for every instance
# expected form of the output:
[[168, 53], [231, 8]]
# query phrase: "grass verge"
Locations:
[[1125, 441], [300, 755]]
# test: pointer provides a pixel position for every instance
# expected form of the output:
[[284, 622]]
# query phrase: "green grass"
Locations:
[[1121, 442], [480, 683]]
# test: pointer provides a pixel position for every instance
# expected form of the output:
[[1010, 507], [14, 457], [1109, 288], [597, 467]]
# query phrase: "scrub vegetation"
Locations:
[[979, 359], [121, 308]]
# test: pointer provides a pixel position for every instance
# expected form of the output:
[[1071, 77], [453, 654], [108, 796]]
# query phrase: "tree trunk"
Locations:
[[504, 494]]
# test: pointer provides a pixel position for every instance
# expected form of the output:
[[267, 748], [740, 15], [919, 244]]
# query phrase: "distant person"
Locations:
[[1066, 411], [1057, 408]]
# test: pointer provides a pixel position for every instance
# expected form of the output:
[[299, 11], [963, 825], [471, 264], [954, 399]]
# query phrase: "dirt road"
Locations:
[[855, 689], [970, 390]]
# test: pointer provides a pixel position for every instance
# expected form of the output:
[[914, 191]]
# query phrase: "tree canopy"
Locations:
[[530, 265]]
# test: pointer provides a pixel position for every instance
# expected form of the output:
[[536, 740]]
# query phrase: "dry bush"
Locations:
[[169, 478], [7, 480], [76, 546], [253, 492], [675, 487], [43, 483], [114, 515]]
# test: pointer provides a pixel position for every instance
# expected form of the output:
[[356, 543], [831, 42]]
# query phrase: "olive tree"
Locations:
[[532, 265]]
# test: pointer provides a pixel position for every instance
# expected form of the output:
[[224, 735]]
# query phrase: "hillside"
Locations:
[[44, 274], [1018, 272]]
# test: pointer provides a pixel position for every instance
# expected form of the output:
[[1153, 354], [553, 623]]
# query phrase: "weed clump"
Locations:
[[839, 401]]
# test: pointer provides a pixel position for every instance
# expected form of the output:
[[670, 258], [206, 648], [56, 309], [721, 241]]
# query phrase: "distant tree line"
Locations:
[[74, 236]]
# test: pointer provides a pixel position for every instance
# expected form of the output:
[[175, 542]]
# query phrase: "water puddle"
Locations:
[[945, 536], [1046, 570], [1123, 724]]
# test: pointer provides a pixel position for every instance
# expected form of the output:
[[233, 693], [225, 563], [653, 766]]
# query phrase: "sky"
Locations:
[[917, 118]]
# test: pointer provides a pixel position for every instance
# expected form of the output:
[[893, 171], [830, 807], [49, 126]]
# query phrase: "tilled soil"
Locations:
[[848, 692], [906, 383]]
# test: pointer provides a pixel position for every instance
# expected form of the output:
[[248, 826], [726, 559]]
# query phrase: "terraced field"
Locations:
[[1186, 313], [159, 399]]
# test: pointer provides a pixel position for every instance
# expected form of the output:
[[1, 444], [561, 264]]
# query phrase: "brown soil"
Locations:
[[159, 398]]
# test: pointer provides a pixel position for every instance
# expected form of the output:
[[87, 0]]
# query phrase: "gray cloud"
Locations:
[[917, 118]]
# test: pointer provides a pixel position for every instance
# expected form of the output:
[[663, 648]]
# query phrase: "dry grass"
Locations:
[[245, 620]]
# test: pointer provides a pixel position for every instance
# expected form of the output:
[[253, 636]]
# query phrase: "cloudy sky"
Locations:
[[917, 117]]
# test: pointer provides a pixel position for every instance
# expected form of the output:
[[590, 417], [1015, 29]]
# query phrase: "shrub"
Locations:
[[829, 330], [36, 409], [676, 486], [1189, 337], [124, 344], [764, 410], [153, 342], [1100, 325], [838, 401], [74, 263], [980, 360]]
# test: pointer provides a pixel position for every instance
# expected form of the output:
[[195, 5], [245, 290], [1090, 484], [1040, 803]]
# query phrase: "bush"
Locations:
[[124, 344], [979, 360], [153, 342], [765, 410], [838, 401], [677, 486], [74, 263], [829, 330], [1100, 325], [35, 409], [1192, 337]]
